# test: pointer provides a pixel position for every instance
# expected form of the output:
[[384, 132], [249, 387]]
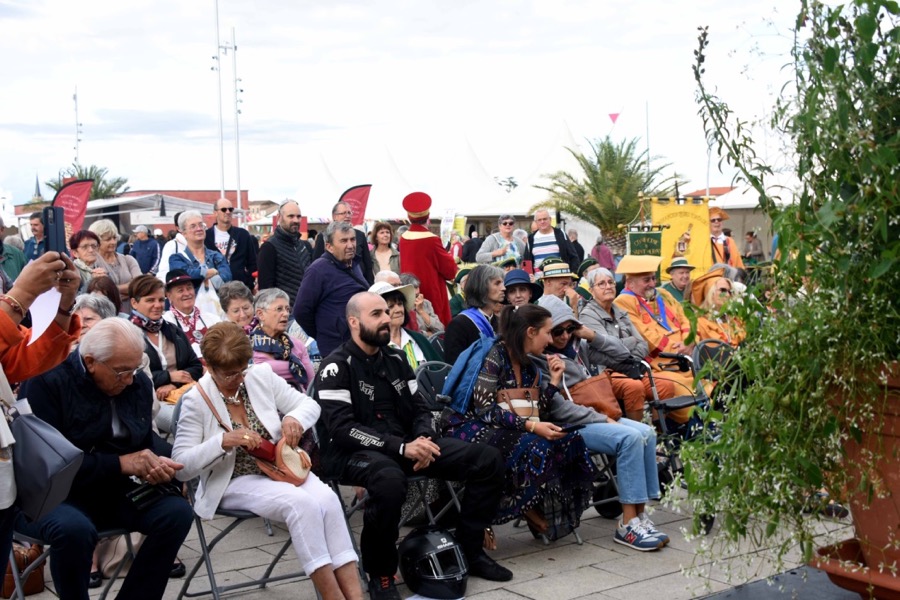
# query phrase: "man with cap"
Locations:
[[234, 243], [145, 250], [423, 255], [724, 248], [342, 212], [657, 316], [181, 292], [558, 280], [520, 289], [680, 284]]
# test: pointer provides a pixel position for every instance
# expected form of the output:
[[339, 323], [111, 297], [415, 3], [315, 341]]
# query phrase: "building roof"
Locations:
[[714, 192]]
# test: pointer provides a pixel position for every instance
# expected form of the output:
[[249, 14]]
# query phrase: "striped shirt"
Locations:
[[544, 247]]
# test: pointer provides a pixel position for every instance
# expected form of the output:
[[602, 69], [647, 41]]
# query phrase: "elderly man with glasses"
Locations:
[[234, 243], [342, 212], [101, 400]]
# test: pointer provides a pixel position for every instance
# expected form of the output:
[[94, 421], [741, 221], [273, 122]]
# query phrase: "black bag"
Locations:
[[44, 462]]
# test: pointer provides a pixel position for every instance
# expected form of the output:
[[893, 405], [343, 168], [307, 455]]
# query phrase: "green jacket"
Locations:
[[13, 261]]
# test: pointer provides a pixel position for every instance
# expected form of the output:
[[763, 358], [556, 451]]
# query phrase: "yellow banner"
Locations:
[[687, 231], [459, 225]]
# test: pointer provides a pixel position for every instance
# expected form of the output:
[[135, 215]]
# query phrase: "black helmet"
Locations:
[[432, 564]]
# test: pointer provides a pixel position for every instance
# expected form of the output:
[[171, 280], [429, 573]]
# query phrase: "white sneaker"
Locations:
[[651, 527]]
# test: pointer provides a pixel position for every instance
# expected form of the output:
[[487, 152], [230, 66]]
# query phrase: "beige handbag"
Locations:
[[524, 402]]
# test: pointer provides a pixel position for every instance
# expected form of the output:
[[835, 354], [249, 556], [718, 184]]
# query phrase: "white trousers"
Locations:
[[312, 513]]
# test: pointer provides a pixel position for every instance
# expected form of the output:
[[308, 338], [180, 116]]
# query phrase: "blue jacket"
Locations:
[[321, 303], [146, 253], [214, 260]]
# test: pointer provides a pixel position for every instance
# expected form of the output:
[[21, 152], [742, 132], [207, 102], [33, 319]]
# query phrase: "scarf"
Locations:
[[481, 322], [189, 324], [280, 348], [145, 323]]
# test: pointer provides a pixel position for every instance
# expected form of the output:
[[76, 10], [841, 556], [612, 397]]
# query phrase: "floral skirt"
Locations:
[[535, 467]]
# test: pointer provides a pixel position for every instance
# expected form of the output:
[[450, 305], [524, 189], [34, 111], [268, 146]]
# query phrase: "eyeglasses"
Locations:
[[247, 310], [232, 376], [558, 331], [724, 291], [122, 375], [226, 209], [196, 226], [715, 220], [508, 223], [346, 213], [279, 309], [88, 246], [605, 284]]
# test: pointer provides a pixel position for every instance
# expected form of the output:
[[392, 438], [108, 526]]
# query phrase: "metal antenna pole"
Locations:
[[218, 69], [237, 111], [77, 125]]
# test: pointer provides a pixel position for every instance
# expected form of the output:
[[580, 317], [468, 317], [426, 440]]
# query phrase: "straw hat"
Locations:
[[632, 264], [701, 285]]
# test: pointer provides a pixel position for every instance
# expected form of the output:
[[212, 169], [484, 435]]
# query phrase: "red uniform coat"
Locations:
[[423, 255]]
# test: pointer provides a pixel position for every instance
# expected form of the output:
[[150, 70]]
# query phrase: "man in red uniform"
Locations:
[[423, 255]]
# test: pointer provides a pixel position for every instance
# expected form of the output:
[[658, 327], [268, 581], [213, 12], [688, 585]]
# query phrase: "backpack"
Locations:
[[460, 383]]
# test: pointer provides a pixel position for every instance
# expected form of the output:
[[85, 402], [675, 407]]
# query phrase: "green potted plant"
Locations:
[[813, 399]]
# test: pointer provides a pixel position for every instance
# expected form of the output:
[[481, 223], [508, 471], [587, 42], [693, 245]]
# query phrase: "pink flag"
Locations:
[[356, 198], [613, 117], [73, 198]]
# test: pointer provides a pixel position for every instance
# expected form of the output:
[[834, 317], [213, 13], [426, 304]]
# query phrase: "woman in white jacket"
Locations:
[[251, 400]]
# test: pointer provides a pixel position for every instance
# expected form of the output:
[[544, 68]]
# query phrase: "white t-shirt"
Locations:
[[222, 238], [544, 247]]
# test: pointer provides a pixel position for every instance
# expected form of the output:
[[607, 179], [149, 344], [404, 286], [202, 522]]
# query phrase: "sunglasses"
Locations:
[[724, 291], [508, 223], [558, 331], [715, 220], [225, 209]]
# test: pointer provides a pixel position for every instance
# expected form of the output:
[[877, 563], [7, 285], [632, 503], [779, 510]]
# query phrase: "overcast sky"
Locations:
[[501, 72]]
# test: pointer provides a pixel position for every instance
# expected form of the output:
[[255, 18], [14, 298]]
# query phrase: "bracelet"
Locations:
[[66, 313], [14, 304], [533, 426], [402, 448]]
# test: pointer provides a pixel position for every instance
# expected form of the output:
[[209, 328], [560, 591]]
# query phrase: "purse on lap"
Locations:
[[524, 402], [595, 392]]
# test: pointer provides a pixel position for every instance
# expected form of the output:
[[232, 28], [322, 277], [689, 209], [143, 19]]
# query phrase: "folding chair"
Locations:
[[20, 577], [437, 342]]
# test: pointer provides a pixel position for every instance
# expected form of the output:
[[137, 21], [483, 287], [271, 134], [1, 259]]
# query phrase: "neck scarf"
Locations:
[[146, 323], [481, 322], [189, 324], [280, 347]]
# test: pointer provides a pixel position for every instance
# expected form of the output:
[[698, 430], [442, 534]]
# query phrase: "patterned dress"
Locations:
[[535, 467], [244, 463]]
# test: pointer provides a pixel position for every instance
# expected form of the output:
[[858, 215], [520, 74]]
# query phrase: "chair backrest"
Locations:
[[430, 378], [437, 342]]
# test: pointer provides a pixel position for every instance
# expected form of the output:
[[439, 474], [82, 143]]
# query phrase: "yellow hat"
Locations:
[[632, 264]]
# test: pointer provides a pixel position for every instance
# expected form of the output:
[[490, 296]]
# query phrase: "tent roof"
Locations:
[[781, 186]]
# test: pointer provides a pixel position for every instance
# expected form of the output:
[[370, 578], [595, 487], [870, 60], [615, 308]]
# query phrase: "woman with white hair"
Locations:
[[286, 355], [197, 260], [119, 267]]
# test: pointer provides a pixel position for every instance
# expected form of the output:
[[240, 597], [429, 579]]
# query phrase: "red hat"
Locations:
[[417, 205]]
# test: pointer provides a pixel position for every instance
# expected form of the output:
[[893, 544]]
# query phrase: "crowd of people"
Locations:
[[262, 342]]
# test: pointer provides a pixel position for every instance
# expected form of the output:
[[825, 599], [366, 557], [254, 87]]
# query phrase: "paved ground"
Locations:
[[598, 569]]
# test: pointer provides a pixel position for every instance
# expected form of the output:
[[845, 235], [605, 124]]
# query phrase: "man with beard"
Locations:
[[234, 243], [657, 317], [328, 285], [379, 432], [284, 257]]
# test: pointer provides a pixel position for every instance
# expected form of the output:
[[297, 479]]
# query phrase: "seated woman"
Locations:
[[716, 323], [93, 308], [172, 361], [414, 345], [426, 320], [184, 312], [541, 459], [271, 344], [85, 248], [484, 291], [252, 401], [616, 347], [632, 442], [237, 303]]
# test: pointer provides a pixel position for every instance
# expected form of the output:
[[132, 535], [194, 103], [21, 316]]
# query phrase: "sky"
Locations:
[[504, 74]]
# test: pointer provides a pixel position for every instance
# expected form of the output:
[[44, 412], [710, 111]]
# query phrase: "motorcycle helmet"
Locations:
[[432, 564]]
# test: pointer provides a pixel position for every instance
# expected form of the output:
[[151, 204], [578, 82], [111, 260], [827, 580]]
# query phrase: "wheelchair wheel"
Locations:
[[605, 491]]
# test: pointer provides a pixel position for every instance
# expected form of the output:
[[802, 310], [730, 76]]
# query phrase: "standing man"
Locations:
[[234, 243], [724, 248], [342, 212], [284, 257], [12, 260], [35, 246], [380, 432], [329, 283], [579, 249], [547, 241], [423, 255], [145, 250], [680, 284]]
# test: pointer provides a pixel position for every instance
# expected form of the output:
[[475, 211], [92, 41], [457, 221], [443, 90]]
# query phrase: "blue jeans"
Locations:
[[71, 532], [634, 446]]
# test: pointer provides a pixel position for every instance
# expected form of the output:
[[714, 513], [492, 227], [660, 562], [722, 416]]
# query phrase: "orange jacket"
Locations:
[[21, 361]]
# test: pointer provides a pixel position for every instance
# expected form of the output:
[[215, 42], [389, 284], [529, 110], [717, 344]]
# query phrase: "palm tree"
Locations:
[[606, 192], [103, 187]]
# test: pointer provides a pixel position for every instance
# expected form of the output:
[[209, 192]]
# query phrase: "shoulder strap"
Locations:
[[210, 405], [517, 372]]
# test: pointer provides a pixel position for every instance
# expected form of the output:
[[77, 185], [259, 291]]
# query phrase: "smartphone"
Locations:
[[55, 228], [571, 428]]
